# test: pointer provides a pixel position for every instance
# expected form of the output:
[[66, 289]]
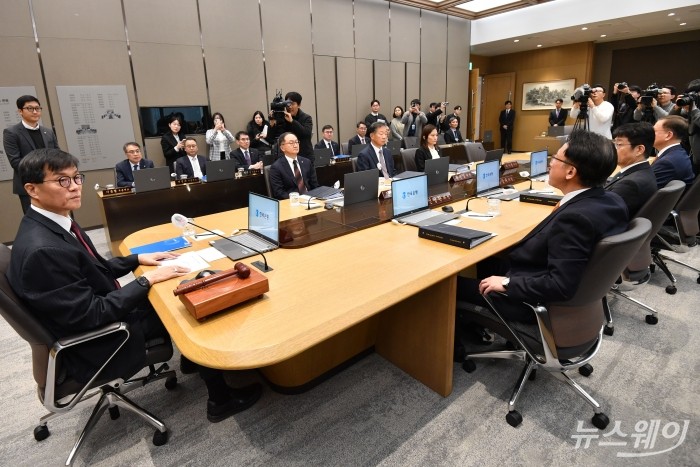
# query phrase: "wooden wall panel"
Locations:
[[347, 98], [231, 24], [326, 94], [405, 34], [332, 31], [371, 29], [433, 59]]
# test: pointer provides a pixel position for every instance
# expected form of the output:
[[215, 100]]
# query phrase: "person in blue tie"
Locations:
[[452, 134], [134, 161], [375, 156], [557, 117], [245, 156]]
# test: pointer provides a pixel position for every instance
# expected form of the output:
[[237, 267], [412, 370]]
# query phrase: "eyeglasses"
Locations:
[[65, 180], [293, 143], [134, 151], [32, 109], [564, 162], [618, 145]]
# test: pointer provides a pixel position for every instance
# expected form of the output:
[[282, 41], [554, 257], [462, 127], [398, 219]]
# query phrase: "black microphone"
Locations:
[[181, 221], [469, 199], [308, 204]]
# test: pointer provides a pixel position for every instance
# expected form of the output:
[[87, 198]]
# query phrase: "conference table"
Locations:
[[380, 288]]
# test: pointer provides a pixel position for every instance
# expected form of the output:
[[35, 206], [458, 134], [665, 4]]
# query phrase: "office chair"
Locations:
[[408, 156], [57, 390], [567, 334], [344, 148], [353, 161], [266, 173], [656, 209], [441, 139], [475, 152], [410, 142]]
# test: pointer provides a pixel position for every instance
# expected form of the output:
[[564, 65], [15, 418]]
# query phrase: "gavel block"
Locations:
[[224, 294]]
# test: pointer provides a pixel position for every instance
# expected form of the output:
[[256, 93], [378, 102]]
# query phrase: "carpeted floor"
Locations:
[[374, 414]]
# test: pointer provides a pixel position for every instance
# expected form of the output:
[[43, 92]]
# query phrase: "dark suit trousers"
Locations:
[[507, 139]]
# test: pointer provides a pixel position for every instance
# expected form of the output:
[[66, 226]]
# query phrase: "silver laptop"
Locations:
[[263, 230], [410, 200], [151, 179], [221, 170], [437, 170]]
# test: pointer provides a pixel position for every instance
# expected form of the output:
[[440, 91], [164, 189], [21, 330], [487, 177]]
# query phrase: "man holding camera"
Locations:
[[624, 100], [688, 106], [600, 112], [300, 123], [659, 103], [413, 120], [433, 115]]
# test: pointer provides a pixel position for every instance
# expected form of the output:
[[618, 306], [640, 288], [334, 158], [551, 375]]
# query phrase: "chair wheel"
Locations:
[[468, 366], [114, 412], [41, 432], [533, 375], [585, 370], [514, 418], [609, 330], [671, 289], [171, 383], [652, 268], [698, 280], [651, 319], [160, 438], [600, 421]]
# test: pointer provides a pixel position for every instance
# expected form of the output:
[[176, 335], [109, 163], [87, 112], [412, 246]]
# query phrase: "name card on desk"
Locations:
[[184, 181], [117, 191]]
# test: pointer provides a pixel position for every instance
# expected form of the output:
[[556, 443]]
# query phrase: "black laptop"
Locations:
[[357, 149], [322, 157], [358, 187], [220, 170], [494, 155], [151, 179], [437, 170]]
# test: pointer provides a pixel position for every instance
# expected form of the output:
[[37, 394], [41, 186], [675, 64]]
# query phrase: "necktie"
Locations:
[[362, 140], [297, 178], [454, 132], [79, 236], [330, 146], [382, 162], [136, 167], [557, 114], [247, 157]]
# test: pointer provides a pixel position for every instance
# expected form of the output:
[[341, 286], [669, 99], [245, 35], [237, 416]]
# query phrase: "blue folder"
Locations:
[[164, 245]]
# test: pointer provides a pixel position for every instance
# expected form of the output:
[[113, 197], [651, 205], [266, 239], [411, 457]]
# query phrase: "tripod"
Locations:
[[582, 118]]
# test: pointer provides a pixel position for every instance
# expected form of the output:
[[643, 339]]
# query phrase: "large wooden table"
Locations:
[[380, 287]]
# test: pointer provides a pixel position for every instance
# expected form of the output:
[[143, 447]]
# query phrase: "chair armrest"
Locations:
[[88, 336]]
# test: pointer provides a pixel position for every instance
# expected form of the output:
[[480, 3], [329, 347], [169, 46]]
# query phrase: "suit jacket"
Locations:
[[408, 118], [282, 178], [302, 125], [125, 174], [422, 155], [367, 160], [356, 140], [168, 143], [509, 119], [369, 119], [674, 164], [215, 147], [184, 166], [322, 145], [635, 185], [70, 292], [559, 121], [237, 155], [18, 143], [450, 137]]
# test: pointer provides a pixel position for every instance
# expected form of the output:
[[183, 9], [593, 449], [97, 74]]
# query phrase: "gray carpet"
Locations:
[[374, 414]]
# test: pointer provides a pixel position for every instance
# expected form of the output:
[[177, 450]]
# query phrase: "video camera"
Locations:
[[649, 94], [279, 105], [581, 94], [688, 99], [621, 86]]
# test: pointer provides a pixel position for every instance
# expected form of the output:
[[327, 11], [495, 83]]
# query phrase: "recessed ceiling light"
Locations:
[[539, 45], [603, 35], [671, 14], [683, 24], [516, 40], [584, 28]]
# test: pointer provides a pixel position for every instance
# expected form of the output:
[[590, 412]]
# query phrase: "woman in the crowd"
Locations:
[[396, 126], [257, 129], [219, 139], [173, 141], [428, 147]]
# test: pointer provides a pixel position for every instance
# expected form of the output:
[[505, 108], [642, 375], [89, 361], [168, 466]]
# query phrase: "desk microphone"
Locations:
[[181, 221], [469, 199], [308, 204]]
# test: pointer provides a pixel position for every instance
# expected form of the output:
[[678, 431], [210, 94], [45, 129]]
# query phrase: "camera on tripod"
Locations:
[[581, 94], [688, 99], [279, 105], [649, 94]]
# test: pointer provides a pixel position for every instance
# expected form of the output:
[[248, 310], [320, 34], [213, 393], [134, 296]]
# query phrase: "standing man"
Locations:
[[452, 134], [134, 161], [376, 155], [300, 123], [437, 109], [506, 119], [624, 100], [600, 112], [327, 141], [191, 164], [691, 111], [359, 138], [672, 161], [413, 120], [291, 172], [661, 105], [557, 117], [374, 115], [245, 156], [24, 137], [455, 113]]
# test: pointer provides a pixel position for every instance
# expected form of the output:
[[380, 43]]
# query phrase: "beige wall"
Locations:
[[231, 56]]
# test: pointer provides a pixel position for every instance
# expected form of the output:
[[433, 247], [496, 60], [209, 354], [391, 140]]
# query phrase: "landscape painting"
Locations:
[[542, 95]]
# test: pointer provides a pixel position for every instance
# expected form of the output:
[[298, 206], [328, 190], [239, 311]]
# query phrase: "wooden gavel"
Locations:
[[239, 269]]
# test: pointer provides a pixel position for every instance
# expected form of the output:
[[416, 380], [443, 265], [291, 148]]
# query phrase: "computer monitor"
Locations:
[[538, 163], [487, 176]]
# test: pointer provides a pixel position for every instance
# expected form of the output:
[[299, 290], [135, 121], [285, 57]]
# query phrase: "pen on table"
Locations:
[[479, 215]]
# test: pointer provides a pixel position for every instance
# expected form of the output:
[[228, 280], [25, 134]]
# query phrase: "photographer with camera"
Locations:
[[688, 106], [655, 103], [413, 120], [624, 100], [290, 118], [434, 114], [600, 112]]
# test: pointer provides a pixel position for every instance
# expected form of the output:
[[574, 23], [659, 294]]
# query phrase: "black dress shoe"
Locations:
[[187, 366], [241, 399]]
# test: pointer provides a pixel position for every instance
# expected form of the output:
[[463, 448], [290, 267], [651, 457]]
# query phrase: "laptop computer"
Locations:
[[494, 155], [151, 179], [487, 179], [538, 163], [220, 170], [322, 157], [437, 170], [357, 149], [263, 230], [268, 158], [325, 192], [360, 186], [410, 199], [395, 147]]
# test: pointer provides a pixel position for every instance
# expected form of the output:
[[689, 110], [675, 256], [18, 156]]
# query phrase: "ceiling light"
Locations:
[[539, 45], [477, 6], [584, 28], [603, 35], [671, 14], [683, 24], [516, 40]]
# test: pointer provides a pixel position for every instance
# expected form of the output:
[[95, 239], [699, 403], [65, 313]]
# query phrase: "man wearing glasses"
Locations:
[[600, 112], [661, 105], [134, 161], [24, 137], [291, 172]]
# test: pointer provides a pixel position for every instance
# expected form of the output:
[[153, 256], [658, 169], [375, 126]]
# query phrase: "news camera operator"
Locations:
[[688, 105], [656, 102], [624, 100], [289, 116], [600, 111]]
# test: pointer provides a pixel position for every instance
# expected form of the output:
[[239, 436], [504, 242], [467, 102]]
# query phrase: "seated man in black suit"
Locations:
[[547, 264], [134, 161], [291, 172], [672, 161], [57, 272], [192, 164], [359, 138], [452, 134], [557, 117], [376, 156], [327, 141], [635, 182], [245, 156]]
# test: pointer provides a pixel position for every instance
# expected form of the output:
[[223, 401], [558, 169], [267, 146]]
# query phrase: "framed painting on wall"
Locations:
[[542, 95]]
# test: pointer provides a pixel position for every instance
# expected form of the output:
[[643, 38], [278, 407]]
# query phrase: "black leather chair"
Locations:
[[409, 159], [410, 142], [57, 390], [567, 334]]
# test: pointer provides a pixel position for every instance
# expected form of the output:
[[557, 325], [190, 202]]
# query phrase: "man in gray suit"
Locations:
[[24, 137]]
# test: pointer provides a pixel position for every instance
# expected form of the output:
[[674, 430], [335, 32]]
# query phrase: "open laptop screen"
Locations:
[[538, 163], [263, 216], [487, 176], [409, 194]]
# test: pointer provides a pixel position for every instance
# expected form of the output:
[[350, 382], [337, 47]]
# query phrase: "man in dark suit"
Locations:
[[245, 156], [327, 141], [24, 137], [192, 164], [57, 272], [299, 123], [452, 135], [370, 158], [291, 172], [557, 117], [635, 182], [506, 120], [374, 115], [134, 161], [359, 138], [547, 264], [672, 161]]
